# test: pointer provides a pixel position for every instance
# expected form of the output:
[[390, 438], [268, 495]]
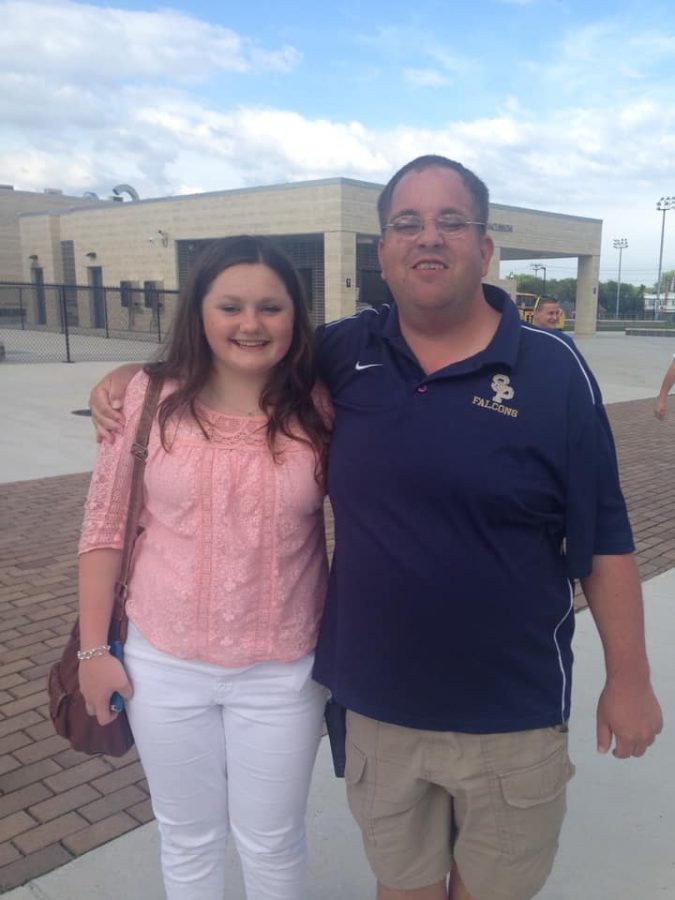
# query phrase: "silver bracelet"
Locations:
[[84, 655]]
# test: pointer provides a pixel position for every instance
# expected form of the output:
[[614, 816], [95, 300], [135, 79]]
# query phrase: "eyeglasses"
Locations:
[[411, 226]]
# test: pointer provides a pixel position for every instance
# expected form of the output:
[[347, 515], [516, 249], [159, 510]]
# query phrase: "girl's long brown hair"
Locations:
[[286, 398]]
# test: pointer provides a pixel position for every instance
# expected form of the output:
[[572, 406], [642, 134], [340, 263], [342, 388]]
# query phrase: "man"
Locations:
[[546, 313], [468, 494], [449, 615], [666, 385]]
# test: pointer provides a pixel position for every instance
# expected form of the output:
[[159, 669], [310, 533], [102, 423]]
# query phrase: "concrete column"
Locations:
[[588, 269], [55, 262], [492, 276], [84, 315], [339, 274], [53, 306]]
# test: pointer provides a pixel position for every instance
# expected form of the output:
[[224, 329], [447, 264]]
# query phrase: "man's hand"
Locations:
[[106, 400], [630, 714], [662, 399]]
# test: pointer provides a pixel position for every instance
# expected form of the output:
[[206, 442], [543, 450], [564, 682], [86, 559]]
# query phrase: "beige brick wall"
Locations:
[[537, 231], [13, 204], [39, 236]]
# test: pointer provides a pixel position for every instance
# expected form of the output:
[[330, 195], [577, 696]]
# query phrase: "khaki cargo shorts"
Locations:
[[491, 803]]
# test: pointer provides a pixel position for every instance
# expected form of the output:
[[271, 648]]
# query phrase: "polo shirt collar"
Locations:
[[502, 349]]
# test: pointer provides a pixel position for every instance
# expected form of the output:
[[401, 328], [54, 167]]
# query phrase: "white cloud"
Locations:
[[569, 160], [74, 40], [268, 144]]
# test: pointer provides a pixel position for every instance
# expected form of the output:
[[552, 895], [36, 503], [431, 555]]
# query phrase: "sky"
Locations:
[[561, 106]]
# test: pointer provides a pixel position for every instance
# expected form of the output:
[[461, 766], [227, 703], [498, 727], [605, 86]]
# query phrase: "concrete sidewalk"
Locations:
[[46, 438]]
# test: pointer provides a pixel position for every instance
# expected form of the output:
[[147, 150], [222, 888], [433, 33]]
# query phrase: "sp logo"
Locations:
[[501, 385]]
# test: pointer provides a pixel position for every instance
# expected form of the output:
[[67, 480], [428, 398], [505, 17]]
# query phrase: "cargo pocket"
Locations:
[[355, 764], [355, 770], [535, 801]]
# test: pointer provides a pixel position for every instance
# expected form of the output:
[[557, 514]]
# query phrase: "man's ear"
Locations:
[[380, 255], [487, 248]]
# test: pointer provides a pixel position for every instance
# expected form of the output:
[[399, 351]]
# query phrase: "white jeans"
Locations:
[[226, 749]]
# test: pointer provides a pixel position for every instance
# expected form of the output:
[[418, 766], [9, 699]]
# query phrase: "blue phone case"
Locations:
[[116, 700]]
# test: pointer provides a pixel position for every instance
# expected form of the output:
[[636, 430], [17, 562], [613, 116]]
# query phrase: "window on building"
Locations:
[[151, 291]]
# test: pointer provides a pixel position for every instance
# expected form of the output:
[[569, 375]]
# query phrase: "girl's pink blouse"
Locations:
[[231, 566]]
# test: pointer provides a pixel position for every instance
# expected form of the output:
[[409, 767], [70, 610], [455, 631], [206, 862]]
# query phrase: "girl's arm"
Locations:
[[101, 675]]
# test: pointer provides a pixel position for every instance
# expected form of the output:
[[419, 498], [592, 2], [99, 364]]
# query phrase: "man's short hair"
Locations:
[[480, 195]]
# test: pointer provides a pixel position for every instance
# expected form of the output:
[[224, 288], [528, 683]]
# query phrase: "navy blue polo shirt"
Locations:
[[466, 502]]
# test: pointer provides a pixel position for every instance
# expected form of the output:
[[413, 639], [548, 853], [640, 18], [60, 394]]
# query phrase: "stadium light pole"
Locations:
[[536, 267], [620, 244], [663, 205]]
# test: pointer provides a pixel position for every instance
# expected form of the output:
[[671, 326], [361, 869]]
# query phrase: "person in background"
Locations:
[[229, 577], [666, 385], [546, 313]]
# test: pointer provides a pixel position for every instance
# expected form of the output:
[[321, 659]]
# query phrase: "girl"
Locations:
[[229, 577]]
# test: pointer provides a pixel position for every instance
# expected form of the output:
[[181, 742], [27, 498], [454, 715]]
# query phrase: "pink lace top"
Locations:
[[231, 567]]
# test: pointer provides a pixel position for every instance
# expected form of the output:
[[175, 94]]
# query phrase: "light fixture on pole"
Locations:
[[619, 244], [663, 205], [536, 267]]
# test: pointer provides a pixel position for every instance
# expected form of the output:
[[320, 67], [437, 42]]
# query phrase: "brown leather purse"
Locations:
[[66, 703]]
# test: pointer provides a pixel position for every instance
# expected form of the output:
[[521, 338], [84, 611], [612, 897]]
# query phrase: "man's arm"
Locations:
[[628, 710], [106, 400], [662, 399]]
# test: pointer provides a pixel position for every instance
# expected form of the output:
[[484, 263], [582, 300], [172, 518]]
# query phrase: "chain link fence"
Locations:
[[69, 323]]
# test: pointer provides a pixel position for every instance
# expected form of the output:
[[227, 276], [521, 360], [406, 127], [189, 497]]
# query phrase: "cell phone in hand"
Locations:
[[116, 700]]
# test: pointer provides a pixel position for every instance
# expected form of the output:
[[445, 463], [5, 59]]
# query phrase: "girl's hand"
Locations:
[[99, 678]]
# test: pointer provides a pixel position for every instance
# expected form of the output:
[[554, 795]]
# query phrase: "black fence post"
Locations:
[[159, 318], [64, 321], [105, 311], [21, 313]]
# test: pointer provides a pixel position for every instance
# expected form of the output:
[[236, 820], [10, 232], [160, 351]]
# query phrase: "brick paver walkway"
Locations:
[[56, 804]]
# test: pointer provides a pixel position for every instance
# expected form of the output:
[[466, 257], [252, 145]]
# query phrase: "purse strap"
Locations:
[[139, 449]]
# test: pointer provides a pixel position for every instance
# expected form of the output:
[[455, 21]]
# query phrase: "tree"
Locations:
[[631, 301], [564, 289], [528, 284], [667, 282], [632, 305]]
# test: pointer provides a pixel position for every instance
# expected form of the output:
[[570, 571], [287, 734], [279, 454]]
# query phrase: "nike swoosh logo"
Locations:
[[361, 366]]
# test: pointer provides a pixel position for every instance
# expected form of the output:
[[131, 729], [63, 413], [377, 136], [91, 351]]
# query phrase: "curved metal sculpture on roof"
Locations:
[[126, 189]]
